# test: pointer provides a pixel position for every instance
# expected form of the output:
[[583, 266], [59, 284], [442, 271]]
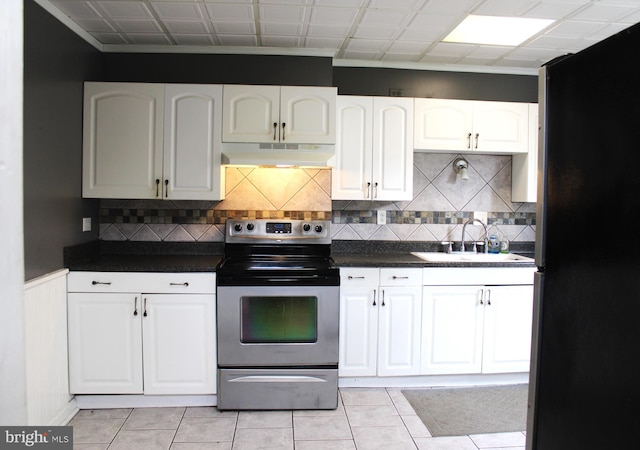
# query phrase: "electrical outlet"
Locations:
[[86, 224], [382, 217], [482, 215]]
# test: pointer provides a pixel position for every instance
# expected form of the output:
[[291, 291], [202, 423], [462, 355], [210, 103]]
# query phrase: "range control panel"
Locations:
[[281, 231]]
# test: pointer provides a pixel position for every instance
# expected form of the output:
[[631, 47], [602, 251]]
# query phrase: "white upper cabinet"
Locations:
[[122, 140], [374, 149], [192, 142], [152, 141], [524, 167], [279, 114], [471, 126]]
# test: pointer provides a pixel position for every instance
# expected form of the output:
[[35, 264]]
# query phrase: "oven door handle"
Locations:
[[277, 379]]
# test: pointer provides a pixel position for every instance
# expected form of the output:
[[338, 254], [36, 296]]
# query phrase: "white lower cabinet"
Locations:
[[134, 333], [472, 328], [380, 322]]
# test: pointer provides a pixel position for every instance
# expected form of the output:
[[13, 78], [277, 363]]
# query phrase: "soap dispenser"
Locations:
[[493, 241]]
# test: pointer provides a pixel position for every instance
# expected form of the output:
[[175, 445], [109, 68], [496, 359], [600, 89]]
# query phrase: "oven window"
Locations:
[[279, 319]]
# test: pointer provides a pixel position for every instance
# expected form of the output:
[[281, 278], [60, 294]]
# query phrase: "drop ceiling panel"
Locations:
[[392, 31], [178, 11], [125, 10]]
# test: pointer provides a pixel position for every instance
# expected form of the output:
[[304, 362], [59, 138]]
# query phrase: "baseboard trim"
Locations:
[[143, 401]]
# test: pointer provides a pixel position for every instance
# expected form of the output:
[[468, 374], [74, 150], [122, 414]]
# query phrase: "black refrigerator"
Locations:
[[584, 390]]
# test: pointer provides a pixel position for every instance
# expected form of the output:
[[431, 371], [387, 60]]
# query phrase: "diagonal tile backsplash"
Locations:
[[442, 202]]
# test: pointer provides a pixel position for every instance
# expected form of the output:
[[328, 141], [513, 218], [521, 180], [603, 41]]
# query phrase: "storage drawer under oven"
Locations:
[[280, 389]]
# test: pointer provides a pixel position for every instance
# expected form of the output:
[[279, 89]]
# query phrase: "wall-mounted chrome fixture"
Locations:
[[460, 165]]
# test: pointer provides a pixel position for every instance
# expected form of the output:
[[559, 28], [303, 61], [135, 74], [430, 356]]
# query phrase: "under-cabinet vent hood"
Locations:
[[298, 155]]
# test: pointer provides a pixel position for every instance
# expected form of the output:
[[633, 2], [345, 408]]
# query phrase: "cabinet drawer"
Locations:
[[161, 283], [400, 277], [447, 276], [359, 276]]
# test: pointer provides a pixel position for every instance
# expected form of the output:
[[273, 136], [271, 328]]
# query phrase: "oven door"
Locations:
[[277, 326]]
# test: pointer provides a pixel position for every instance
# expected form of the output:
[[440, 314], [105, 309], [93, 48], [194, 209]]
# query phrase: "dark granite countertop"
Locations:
[[398, 254], [127, 256], [107, 256]]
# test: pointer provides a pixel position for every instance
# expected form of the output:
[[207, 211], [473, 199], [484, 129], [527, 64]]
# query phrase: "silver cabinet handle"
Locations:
[[488, 297], [283, 126], [481, 296], [145, 307], [166, 188], [375, 190], [106, 283], [400, 278], [374, 298], [185, 284], [368, 193], [477, 139], [157, 187], [350, 277], [469, 140], [275, 128], [383, 304], [135, 306]]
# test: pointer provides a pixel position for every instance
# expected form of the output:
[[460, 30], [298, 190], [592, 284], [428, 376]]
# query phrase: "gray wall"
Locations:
[[313, 71], [56, 62]]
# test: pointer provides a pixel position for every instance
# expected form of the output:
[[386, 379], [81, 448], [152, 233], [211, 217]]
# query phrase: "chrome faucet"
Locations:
[[464, 229]]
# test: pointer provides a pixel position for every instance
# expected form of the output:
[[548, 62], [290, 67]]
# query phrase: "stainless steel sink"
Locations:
[[471, 257]]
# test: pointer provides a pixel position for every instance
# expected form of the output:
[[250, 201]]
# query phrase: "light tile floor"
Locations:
[[366, 419]]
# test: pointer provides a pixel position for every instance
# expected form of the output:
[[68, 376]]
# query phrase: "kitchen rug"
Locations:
[[477, 410]]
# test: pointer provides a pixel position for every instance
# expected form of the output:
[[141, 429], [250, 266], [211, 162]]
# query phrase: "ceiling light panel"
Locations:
[[493, 30]]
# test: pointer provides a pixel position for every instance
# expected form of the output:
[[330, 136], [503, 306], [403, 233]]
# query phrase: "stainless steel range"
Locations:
[[278, 316]]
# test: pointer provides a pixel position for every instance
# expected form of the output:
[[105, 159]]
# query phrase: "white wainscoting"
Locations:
[[48, 398]]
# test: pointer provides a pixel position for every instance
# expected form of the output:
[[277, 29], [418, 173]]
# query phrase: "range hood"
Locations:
[[298, 155]]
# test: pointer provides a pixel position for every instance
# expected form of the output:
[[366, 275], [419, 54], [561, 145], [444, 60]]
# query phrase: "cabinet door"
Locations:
[[358, 331], [105, 343], [308, 115], [507, 329], [122, 139], [193, 127], [351, 174], [444, 125], [500, 127], [392, 148], [399, 331], [179, 344], [251, 113], [452, 327]]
